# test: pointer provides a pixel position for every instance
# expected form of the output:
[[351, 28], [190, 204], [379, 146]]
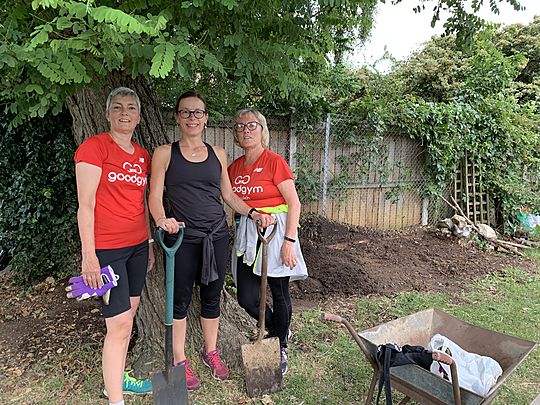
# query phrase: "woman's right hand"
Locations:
[[169, 225], [263, 220], [91, 271]]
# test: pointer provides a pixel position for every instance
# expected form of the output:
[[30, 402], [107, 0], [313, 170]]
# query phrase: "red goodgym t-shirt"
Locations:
[[257, 184], [119, 215]]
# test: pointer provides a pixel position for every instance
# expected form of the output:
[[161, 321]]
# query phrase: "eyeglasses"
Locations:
[[252, 126], [187, 113]]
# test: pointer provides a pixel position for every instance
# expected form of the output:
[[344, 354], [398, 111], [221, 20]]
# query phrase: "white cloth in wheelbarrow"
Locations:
[[391, 355], [475, 373]]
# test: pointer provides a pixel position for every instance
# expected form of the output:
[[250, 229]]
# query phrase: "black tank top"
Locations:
[[193, 190]]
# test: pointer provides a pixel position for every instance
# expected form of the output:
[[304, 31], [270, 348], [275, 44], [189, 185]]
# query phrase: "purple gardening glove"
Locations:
[[77, 288]]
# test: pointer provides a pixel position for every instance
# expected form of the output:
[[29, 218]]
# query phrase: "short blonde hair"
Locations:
[[262, 120], [122, 91]]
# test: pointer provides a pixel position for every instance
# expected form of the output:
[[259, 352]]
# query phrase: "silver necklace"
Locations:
[[192, 154]]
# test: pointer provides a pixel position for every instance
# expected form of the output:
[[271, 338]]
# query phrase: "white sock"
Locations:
[[117, 403]]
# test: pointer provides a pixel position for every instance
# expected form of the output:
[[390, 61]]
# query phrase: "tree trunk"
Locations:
[[88, 111]]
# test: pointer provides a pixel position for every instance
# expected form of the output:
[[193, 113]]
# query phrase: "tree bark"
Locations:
[[88, 111]]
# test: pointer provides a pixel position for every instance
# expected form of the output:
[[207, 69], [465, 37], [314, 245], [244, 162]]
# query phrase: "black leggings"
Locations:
[[278, 319], [187, 271]]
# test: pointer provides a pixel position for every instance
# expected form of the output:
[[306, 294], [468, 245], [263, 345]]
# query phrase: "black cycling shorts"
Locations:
[[130, 264]]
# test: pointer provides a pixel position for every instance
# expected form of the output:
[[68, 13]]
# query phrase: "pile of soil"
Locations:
[[344, 260]]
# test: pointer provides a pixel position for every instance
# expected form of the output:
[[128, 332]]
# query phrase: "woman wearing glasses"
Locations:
[[264, 180], [195, 178]]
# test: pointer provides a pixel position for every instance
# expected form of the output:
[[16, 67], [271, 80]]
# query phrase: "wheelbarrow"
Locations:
[[421, 385]]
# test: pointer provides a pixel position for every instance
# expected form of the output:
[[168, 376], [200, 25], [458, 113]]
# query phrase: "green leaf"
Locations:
[[181, 69], [9, 60], [41, 37], [34, 88], [73, 69], [77, 9], [162, 62], [50, 71], [63, 23], [123, 21], [230, 4], [211, 62], [183, 49]]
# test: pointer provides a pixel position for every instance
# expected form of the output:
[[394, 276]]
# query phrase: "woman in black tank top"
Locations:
[[194, 176]]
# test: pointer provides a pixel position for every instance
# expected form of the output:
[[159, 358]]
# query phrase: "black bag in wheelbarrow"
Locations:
[[392, 355]]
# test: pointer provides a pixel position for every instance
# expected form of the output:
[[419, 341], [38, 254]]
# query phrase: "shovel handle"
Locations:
[[264, 275], [169, 270], [266, 240], [160, 237]]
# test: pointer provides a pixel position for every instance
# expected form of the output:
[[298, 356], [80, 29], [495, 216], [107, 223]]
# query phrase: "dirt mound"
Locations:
[[345, 260]]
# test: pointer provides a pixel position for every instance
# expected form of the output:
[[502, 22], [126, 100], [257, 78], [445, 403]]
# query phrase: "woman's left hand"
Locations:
[[264, 220], [288, 254]]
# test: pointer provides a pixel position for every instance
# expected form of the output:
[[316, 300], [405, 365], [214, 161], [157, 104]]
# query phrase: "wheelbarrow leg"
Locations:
[[404, 401], [372, 386]]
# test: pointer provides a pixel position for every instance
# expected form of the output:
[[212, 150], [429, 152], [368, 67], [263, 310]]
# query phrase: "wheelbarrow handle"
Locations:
[[327, 316], [442, 357], [446, 359]]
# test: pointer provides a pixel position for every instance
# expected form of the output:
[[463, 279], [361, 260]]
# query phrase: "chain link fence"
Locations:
[[347, 172]]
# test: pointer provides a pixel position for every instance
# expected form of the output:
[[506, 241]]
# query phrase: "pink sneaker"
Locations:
[[213, 360], [192, 381]]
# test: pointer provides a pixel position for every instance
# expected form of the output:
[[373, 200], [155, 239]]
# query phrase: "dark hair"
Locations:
[[187, 94]]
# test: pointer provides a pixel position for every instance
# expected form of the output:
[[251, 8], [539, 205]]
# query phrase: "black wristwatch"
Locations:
[[250, 212]]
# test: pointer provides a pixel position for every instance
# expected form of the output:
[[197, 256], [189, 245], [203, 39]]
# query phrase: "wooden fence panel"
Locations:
[[378, 184]]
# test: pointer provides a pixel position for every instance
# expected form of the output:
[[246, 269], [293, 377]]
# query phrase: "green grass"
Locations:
[[326, 365]]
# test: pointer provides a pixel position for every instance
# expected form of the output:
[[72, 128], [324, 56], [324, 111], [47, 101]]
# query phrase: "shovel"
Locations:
[[169, 386], [262, 359]]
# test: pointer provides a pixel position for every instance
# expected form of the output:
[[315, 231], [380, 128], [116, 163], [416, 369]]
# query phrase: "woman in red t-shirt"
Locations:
[[264, 180], [111, 172]]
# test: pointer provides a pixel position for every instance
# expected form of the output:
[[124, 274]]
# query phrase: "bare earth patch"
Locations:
[[345, 261]]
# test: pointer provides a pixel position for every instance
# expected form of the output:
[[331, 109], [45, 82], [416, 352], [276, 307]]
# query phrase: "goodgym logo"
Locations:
[[134, 175], [240, 187], [128, 167]]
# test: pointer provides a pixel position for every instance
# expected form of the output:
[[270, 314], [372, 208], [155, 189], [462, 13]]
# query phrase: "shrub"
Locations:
[[38, 201]]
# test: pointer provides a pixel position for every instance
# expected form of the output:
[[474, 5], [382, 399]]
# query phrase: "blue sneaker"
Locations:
[[132, 385], [284, 366]]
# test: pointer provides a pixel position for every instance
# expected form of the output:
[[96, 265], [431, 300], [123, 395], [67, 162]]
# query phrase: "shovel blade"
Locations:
[[262, 367], [169, 388]]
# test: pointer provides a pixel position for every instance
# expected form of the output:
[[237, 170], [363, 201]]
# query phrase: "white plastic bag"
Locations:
[[475, 373]]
